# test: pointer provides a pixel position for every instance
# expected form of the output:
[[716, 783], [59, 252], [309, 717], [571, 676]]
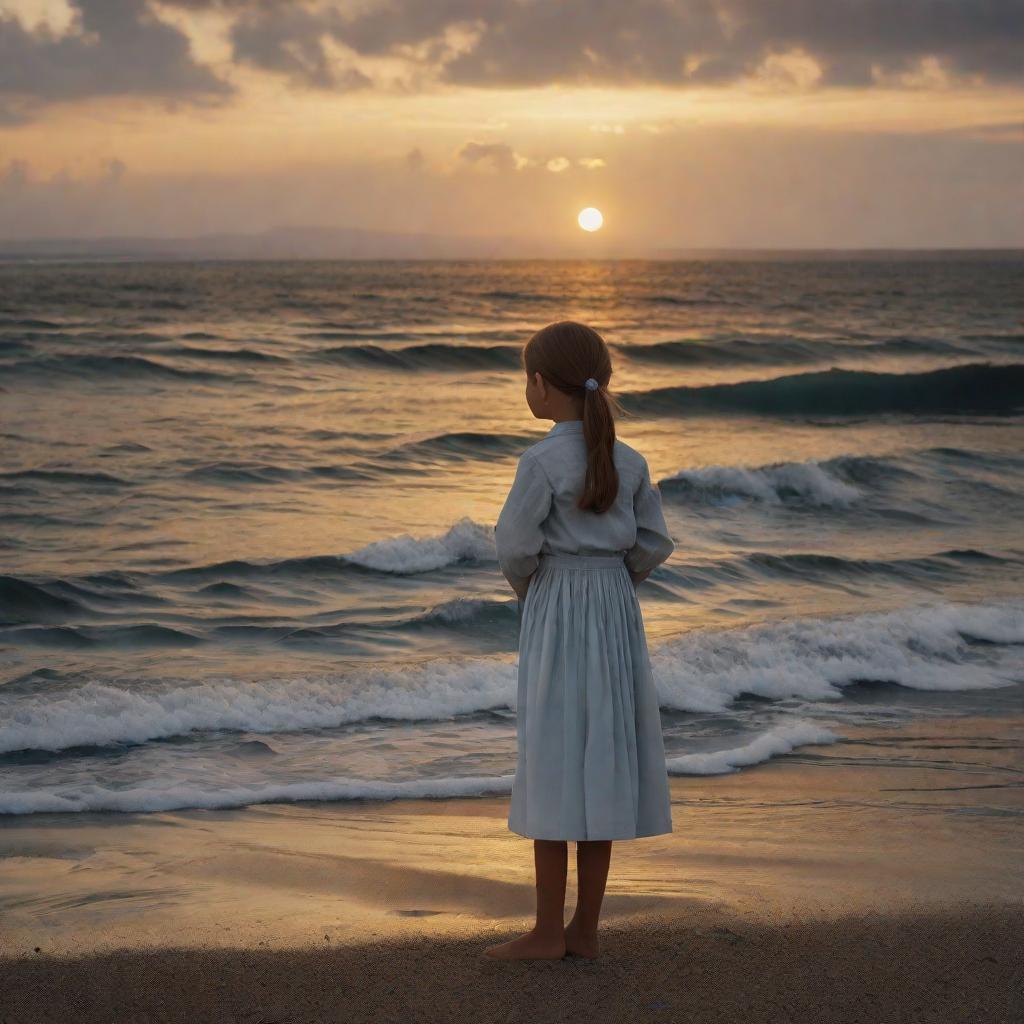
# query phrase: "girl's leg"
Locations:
[[592, 860], [547, 938], [551, 861]]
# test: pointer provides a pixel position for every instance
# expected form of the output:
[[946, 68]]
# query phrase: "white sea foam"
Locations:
[[922, 648], [102, 713], [174, 796], [167, 793], [703, 670], [779, 740], [806, 481], [466, 540]]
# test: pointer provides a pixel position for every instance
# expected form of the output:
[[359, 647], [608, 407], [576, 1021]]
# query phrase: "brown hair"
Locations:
[[565, 354]]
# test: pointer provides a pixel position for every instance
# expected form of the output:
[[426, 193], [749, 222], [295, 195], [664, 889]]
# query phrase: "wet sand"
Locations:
[[825, 885]]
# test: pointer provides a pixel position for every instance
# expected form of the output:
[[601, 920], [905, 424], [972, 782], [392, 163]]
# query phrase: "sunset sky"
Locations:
[[822, 123]]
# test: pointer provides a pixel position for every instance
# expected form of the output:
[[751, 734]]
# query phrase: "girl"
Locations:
[[582, 525]]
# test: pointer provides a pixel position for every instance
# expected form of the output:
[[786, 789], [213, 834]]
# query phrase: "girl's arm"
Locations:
[[653, 543], [517, 534]]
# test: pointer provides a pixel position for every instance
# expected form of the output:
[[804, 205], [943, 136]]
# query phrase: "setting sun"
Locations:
[[590, 219]]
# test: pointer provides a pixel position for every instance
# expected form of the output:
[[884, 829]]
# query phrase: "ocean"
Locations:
[[246, 516]]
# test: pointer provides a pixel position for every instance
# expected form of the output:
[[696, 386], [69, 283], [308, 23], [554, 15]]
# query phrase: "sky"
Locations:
[[688, 123]]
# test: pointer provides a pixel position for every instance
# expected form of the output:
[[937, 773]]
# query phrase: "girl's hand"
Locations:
[[638, 577], [521, 592]]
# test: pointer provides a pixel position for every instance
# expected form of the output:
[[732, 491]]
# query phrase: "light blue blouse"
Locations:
[[540, 514]]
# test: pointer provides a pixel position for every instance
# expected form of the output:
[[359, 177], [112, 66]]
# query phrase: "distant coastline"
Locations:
[[301, 243]]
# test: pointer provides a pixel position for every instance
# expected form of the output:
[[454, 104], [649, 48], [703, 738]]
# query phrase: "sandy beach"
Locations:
[[331, 329], [802, 889]]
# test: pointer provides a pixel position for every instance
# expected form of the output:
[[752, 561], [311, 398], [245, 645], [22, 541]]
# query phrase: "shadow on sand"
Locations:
[[962, 963]]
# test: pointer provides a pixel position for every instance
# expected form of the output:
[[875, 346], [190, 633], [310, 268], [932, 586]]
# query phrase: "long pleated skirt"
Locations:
[[590, 755]]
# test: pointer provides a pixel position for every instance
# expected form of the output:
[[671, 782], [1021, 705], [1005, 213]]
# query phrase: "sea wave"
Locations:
[[110, 368], [402, 555], [784, 350], [177, 794], [465, 541], [778, 740], [971, 388], [843, 481], [231, 474], [237, 355], [432, 356], [457, 445], [102, 713], [66, 476], [79, 612], [465, 612], [926, 647], [814, 482], [929, 647]]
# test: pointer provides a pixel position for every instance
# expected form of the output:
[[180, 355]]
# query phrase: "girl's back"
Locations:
[[543, 506]]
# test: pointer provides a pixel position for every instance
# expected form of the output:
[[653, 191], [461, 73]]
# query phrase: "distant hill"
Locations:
[[778, 255], [285, 243], [290, 243]]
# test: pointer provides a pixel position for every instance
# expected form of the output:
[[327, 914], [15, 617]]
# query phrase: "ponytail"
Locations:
[[601, 484], [567, 354]]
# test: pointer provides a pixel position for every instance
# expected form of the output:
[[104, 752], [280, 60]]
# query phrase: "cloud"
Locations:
[[675, 43], [129, 48], [121, 47], [498, 155], [502, 157], [15, 177], [709, 42], [291, 40], [706, 186], [114, 171], [113, 48]]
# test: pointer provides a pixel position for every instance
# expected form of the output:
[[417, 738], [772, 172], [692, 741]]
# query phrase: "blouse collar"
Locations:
[[566, 427]]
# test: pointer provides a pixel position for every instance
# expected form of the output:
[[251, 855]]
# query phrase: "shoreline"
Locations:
[[865, 880]]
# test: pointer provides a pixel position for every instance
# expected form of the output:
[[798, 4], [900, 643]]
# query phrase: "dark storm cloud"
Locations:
[[123, 48], [973, 37], [666, 42], [678, 42], [290, 39], [116, 48]]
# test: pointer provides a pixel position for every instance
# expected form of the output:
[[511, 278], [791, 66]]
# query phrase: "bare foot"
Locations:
[[577, 944], [530, 946]]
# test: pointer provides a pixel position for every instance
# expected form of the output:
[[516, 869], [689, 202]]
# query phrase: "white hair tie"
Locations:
[[590, 384]]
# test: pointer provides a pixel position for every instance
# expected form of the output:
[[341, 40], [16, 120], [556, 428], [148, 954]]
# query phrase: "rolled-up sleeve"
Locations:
[[517, 535], [653, 543]]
